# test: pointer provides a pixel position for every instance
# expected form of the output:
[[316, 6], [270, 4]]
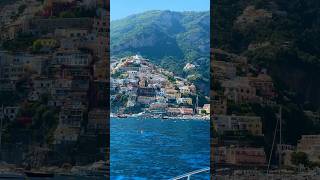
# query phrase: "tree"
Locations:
[[67, 14], [22, 8], [203, 111], [298, 158]]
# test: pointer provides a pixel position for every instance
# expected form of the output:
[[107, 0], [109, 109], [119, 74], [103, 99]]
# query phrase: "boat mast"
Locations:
[[197, 104], [279, 122], [280, 138], [274, 139]]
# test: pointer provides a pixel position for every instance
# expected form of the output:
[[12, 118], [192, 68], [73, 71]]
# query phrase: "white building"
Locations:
[[184, 90], [251, 124], [10, 112], [72, 58]]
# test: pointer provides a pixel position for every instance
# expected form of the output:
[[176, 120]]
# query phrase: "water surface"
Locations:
[[157, 148]]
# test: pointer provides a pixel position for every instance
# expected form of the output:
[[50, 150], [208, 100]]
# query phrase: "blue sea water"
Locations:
[[158, 149]]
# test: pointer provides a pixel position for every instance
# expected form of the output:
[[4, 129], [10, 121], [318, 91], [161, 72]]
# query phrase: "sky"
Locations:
[[122, 8]]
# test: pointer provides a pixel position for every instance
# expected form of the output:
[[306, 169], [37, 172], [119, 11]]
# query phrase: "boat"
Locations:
[[38, 174], [122, 116], [8, 171], [97, 169], [189, 174], [165, 117]]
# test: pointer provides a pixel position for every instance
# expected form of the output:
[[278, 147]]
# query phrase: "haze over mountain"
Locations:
[[170, 39]]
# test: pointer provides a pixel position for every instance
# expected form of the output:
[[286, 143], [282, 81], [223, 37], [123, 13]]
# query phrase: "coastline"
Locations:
[[151, 116]]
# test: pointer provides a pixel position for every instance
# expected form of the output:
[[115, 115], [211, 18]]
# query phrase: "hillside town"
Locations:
[[139, 87], [239, 140], [54, 82]]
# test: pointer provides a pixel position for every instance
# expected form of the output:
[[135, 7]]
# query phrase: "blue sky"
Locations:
[[123, 8]]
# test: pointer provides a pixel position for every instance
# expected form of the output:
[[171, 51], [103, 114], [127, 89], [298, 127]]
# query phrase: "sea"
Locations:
[[147, 148]]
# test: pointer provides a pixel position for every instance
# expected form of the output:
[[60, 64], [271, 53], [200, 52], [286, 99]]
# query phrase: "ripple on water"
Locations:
[[157, 149]]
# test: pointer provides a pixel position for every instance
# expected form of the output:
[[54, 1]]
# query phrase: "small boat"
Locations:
[[38, 174], [122, 116], [97, 169], [165, 117]]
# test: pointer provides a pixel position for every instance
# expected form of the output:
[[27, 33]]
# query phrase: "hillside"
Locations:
[[282, 36], [6, 2], [169, 39]]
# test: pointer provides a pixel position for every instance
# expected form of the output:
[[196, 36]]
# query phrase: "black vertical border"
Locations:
[[108, 85], [212, 145]]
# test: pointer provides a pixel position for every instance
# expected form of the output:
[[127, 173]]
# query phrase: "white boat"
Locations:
[[97, 169]]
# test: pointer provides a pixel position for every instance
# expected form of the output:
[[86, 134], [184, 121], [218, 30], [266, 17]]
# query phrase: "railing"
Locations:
[[188, 175]]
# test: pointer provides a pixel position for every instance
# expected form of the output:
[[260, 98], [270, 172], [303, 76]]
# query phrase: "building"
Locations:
[[66, 135], [239, 90], [310, 144], [173, 111], [61, 88], [245, 156], [205, 108], [6, 85], [146, 91], [132, 74], [263, 85], [16, 66], [219, 105], [146, 100], [72, 58], [71, 116], [232, 123], [49, 25], [184, 101], [186, 111], [97, 120], [42, 84], [172, 93], [10, 112], [158, 108], [223, 70], [184, 90], [285, 150], [71, 33]]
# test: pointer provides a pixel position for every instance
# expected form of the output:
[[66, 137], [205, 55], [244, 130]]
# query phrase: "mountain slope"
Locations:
[[170, 39], [282, 36]]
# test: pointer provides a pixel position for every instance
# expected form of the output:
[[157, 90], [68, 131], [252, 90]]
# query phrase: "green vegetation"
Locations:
[[298, 158], [8, 98], [21, 43], [286, 45], [43, 118], [171, 79], [169, 39], [203, 111], [119, 101], [77, 13], [21, 8], [36, 46], [291, 51], [116, 74], [44, 121]]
